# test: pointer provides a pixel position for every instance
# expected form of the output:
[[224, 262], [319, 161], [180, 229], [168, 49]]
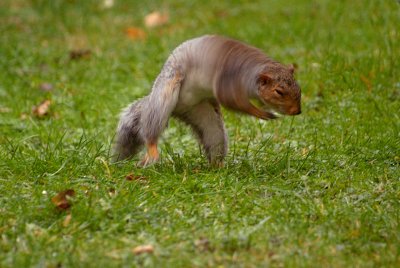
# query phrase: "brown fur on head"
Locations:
[[278, 89], [245, 71], [238, 65]]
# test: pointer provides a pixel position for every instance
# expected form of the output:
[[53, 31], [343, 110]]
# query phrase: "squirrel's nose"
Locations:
[[295, 111]]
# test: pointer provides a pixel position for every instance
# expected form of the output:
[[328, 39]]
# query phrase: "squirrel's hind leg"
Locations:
[[206, 121], [151, 155], [162, 101]]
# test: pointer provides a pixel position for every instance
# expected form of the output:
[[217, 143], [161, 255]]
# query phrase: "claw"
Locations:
[[147, 161]]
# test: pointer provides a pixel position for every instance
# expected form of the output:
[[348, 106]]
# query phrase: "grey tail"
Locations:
[[128, 140]]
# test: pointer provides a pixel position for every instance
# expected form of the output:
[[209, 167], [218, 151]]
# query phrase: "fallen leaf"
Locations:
[[67, 220], [132, 177], [143, 249], [129, 177], [42, 109], [46, 87], [135, 33], [79, 54], [156, 19], [62, 199]]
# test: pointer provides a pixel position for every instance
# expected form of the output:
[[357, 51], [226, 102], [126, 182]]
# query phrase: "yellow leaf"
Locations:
[[62, 199], [143, 249], [155, 19], [42, 109]]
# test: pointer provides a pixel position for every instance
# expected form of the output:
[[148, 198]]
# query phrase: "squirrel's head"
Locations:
[[278, 89]]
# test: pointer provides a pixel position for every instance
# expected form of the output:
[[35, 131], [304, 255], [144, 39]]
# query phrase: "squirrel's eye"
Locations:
[[279, 91]]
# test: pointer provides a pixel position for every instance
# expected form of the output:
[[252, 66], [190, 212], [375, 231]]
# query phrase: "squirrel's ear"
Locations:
[[264, 79], [292, 67]]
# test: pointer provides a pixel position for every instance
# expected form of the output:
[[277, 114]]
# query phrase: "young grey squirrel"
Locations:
[[200, 75]]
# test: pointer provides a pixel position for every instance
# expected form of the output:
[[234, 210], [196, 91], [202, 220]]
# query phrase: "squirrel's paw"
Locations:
[[147, 161], [150, 157], [217, 164]]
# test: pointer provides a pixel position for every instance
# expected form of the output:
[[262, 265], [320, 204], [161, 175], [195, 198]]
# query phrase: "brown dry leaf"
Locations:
[[42, 109], [79, 54], [67, 220], [156, 19], [135, 33], [62, 199], [132, 177], [143, 249]]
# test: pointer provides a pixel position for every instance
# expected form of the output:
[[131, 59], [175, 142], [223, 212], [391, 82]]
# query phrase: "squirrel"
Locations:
[[200, 75]]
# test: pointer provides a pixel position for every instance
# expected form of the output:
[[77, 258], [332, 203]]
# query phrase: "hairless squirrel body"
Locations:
[[200, 75]]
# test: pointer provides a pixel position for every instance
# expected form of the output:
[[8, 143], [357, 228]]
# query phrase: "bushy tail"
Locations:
[[128, 140]]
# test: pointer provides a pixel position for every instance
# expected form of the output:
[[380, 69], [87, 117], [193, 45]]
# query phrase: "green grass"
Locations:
[[319, 189]]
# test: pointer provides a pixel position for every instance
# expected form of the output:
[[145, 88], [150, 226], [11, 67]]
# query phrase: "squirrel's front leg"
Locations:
[[206, 120]]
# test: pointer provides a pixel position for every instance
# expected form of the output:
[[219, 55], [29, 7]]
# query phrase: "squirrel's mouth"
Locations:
[[273, 110], [269, 108]]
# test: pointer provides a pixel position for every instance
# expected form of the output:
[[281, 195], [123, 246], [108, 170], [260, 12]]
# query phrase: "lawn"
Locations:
[[318, 189]]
